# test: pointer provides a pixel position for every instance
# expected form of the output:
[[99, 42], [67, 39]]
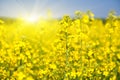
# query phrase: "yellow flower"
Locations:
[[29, 65], [90, 53], [29, 78], [53, 66], [79, 73], [119, 69], [21, 75], [85, 18], [66, 78], [118, 56], [106, 73], [113, 77], [100, 57], [73, 74]]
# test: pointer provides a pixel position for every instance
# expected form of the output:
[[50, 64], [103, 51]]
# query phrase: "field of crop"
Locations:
[[77, 48]]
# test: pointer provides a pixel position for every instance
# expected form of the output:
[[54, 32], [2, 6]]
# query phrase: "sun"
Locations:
[[31, 18]]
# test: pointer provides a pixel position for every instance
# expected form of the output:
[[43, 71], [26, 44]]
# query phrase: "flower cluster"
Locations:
[[78, 48]]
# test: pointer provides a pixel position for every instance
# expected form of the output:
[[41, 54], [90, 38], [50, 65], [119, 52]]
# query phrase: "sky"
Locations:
[[58, 8]]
